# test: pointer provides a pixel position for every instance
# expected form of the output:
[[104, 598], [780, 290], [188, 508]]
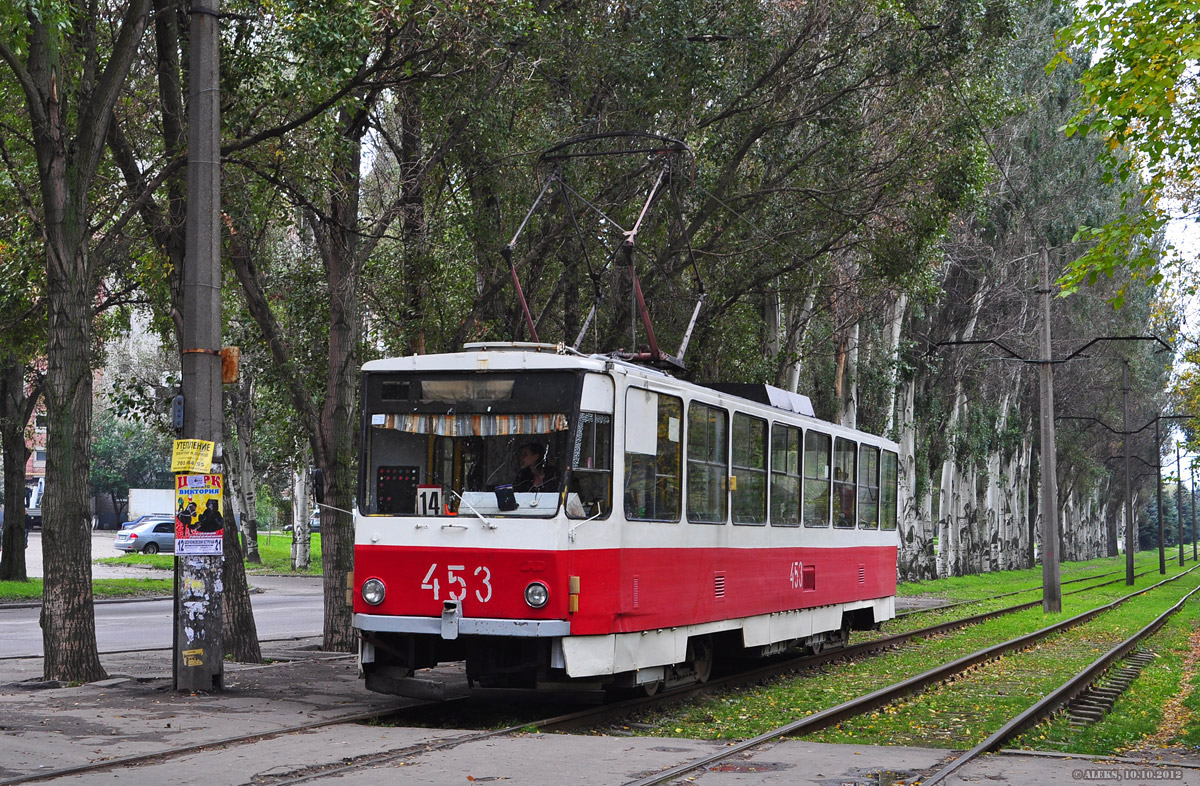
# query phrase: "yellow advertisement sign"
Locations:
[[192, 455], [199, 514]]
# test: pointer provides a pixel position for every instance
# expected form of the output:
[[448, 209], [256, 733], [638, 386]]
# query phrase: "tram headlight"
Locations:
[[536, 595], [373, 591]]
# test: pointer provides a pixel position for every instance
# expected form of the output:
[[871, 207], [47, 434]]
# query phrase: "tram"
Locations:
[[556, 519]]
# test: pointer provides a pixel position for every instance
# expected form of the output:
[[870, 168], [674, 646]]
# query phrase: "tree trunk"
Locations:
[[1116, 509], [949, 498], [894, 334], [15, 410], [301, 556], [338, 458], [240, 633], [412, 206], [844, 311], [242, 414], [773, 339], [68, 120], [795, 343], [916, 557], [849, 401], [67, 618]]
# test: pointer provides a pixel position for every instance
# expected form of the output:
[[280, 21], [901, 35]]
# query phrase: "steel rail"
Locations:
[[863, 704], [1059, 697]]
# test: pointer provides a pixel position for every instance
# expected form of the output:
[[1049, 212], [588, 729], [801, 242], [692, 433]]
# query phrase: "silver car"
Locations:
[[149, 537]]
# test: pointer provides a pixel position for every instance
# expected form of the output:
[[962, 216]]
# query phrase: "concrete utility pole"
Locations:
[[1179, 501], [1162, 549], [1051, 587], [1130, 525], [1192, 471], [199, 655]]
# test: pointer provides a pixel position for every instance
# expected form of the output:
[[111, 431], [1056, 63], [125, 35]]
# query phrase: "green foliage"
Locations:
[[127, 454], [1139, 98]]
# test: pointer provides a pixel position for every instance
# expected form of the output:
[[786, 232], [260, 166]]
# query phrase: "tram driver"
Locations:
[[535, 474]]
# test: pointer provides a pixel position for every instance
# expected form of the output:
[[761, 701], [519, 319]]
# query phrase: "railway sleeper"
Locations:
[[1096, 702]]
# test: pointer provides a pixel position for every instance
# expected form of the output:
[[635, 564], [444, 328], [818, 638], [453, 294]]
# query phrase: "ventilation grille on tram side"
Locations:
[[719, 585], [862, 574]]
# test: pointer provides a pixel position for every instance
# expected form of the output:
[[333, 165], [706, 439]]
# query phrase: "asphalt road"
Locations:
[[284, 607]]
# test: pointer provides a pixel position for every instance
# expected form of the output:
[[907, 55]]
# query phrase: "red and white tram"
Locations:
[[654, 523]]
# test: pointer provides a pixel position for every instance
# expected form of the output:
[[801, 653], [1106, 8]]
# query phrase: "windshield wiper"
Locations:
[[487, 522]]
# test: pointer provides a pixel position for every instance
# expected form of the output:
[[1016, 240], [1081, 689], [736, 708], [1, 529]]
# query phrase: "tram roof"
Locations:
[[513, 356], [530, 356]]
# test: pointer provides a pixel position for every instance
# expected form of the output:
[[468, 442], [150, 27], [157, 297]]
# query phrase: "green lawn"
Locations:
[[275, 549], [101, 588]]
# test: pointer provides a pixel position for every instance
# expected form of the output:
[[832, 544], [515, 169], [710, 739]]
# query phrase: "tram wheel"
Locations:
[[702, 658], [648, 689]]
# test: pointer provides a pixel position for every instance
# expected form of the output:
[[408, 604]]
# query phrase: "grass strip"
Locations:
[[984, 585], [274, 551], [101, 588]]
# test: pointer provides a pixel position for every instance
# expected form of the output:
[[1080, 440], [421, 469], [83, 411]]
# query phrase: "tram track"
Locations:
[[594, 716], [869, 702], [1058, 698]]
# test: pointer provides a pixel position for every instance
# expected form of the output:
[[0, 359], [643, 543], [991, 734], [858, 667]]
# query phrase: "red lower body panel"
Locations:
[[625, 590]]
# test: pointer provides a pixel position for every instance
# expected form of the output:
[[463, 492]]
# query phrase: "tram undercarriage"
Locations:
[[390, 661]]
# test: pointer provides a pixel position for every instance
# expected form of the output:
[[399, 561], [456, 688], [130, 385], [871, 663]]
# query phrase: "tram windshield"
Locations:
[[468, 443]]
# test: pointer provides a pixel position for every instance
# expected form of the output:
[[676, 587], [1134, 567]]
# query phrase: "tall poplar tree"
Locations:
[[71, 59]]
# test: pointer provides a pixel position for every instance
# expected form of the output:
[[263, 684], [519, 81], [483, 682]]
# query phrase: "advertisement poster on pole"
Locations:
[[199, 516], [192, 455]]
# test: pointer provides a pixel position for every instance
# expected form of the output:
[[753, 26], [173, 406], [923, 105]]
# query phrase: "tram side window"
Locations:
[[888, 482], [785, 476], [652, 456], [708, 464], [816, 479], [845, 455], [750, 470], [591, 467], [868, 487]]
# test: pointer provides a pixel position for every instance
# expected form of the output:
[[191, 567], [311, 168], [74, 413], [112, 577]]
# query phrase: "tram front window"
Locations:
[[468, 444]]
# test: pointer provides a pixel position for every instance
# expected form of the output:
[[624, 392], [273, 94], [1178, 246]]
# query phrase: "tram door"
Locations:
[[590, 494]]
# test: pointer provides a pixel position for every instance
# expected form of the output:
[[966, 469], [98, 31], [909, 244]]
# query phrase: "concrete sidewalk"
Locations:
[[46, 729]]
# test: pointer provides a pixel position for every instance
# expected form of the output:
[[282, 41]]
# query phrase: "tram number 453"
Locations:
[[455, 582]]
